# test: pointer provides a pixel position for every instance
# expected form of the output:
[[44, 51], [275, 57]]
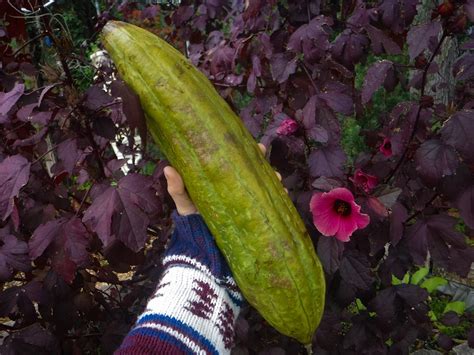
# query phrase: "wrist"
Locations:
[[187, 211]]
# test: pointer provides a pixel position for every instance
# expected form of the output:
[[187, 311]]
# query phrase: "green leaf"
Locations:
[[432, 316], [396, 281], [360, 305], [419, 275], [406, 278], [433, 283], [456, 306]]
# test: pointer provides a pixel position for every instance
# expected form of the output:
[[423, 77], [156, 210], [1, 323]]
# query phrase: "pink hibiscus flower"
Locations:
[[364, 181], [386, 147], [287, 126], [335, 213]]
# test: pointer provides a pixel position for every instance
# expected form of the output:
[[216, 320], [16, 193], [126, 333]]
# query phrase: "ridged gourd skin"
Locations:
[[254, 222]]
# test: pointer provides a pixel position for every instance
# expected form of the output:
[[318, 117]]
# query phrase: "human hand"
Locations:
[[178, 192]]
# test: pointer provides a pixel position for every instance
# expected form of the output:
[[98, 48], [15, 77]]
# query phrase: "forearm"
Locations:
[[196, 303]]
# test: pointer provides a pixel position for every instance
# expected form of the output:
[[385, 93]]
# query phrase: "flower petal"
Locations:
[[327, 224], [321, 203], [346, 228], [341, 193], [362, 220]]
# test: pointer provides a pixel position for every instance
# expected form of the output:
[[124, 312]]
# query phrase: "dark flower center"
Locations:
[[387, 145], [342, 208]]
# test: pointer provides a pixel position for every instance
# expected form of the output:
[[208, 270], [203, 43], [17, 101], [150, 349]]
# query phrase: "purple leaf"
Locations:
[[222, 60], [419, 37], [457, 133], [470, 336], [436, 233], [412, 294], [445, 342], [460, 261], [96, 98], [380, 41], [311, 39], [14, 174], [330, 252], [374, 78], [69, 240], [327, 161], [13, 256], [450, 318], [384, 304], [124, 212], [349, 47], [397, 219], [104, 127], [33, 140], [355, 270], [469, 8], [398, 14], [183, 14], [318, 133], [387, 195], [114, 165], [282, 65], [33, 339], [326, 184], [339, 102], [150, 12], [9, 99], [316, 113], [463, 68], [435, 160], [131, 107], [25, 112], [465, 204], [68, 154]]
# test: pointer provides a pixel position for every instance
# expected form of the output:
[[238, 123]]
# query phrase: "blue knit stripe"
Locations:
[[237, 302], [163, 336], [184, 328]]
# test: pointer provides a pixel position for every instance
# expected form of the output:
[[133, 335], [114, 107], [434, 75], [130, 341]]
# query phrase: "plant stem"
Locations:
[[414, 215], [49, 31], [417, 119], [27, 43], [44, 154]]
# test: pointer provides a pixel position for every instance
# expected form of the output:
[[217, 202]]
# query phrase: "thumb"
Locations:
[[178, 193]]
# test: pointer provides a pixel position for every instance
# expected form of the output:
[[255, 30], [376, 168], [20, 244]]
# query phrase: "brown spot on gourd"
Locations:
[[186, 64], [280, 282], [205, 147], [230, 138], [274, 252], [161, 82]]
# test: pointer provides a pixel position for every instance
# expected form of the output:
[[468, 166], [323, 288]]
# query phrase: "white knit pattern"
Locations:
[[174, 299]]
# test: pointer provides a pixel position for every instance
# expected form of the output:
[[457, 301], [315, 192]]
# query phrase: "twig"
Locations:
[[44, 154], [62, 58], [84, 199], [417, 119], [414, 215], [27, 43], [309, 76]]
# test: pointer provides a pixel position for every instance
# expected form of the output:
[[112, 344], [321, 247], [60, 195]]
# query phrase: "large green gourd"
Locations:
[[251, 217]]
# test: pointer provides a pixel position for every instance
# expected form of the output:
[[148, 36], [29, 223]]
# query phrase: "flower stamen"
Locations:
[[342, 208]]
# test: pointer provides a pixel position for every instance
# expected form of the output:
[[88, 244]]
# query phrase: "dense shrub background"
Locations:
[[80, 241]]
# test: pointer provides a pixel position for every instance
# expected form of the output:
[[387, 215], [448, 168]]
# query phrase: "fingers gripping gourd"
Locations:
[[254, 222]]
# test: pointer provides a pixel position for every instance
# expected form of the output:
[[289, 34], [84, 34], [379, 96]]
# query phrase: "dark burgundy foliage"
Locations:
[[79, 204]]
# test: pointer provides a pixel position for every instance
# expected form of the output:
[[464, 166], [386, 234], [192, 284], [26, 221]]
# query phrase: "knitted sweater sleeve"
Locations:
[[195, 305]]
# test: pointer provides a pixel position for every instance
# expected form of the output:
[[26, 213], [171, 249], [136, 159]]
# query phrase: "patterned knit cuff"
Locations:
[[192, 239]]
